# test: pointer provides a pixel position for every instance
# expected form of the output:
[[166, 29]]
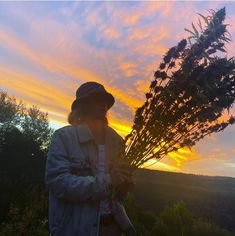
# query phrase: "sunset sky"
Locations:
[[48, 49]]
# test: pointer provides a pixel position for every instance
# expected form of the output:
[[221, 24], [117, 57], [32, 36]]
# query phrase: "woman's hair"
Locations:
[[78, 115]]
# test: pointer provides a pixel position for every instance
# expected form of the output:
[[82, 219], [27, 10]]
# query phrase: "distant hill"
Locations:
[[211, 198]]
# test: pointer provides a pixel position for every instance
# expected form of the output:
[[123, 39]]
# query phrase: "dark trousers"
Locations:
[[109, 230]]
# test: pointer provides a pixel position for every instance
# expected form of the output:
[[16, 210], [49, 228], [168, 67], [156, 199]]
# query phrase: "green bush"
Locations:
[[176, 220], [204, 228], [30, 220]]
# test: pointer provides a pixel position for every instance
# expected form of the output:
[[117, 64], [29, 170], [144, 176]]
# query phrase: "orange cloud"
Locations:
[[122, 127], [182, 156], [93, 17], [128, 68], [153, 165], [34, 90], [48, 98], [142, 86], [138, 34], [129, 16], [110, 33], [217, 153], [152, 46], [84, 75]]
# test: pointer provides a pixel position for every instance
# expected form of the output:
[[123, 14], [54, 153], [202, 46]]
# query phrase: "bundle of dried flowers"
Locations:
[[191, 90]]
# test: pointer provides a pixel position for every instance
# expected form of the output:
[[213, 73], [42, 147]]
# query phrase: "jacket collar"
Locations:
[[85, 134], [111, 139]]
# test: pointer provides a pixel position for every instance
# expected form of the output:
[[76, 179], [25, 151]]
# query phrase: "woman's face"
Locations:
[[97, 106]]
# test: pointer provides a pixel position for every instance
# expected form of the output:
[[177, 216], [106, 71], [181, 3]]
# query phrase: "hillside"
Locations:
[[209, 197]]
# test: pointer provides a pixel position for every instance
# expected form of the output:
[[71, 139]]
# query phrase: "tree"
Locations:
[[24, 138], [35, 126], [176, 220], [10, 111], [31, 122]]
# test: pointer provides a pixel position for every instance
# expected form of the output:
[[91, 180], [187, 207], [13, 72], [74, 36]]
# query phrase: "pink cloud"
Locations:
[[110, 33]]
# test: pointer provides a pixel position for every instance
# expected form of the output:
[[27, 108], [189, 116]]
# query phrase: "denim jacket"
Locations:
[[75, 185]]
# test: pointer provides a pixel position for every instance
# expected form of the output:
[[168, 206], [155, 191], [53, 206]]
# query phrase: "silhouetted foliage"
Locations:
[[24, 138], [31, 122], [10, 110], [28, 220]]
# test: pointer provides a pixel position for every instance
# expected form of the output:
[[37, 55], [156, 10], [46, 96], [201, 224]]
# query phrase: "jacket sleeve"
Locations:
[[123, 190], [66, 185]]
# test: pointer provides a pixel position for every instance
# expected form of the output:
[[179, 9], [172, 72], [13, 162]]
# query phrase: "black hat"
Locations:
[[88, 89]]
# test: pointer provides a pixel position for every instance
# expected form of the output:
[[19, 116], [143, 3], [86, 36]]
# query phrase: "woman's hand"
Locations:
[[122, 179], [119, 175]]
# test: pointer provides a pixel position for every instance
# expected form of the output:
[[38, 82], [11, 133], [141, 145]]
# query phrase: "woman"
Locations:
[[79, 174]]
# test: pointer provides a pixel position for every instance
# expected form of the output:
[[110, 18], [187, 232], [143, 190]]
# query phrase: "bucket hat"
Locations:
[[90, 89]]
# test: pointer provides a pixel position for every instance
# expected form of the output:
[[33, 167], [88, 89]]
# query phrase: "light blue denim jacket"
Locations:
[[74, 184]]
